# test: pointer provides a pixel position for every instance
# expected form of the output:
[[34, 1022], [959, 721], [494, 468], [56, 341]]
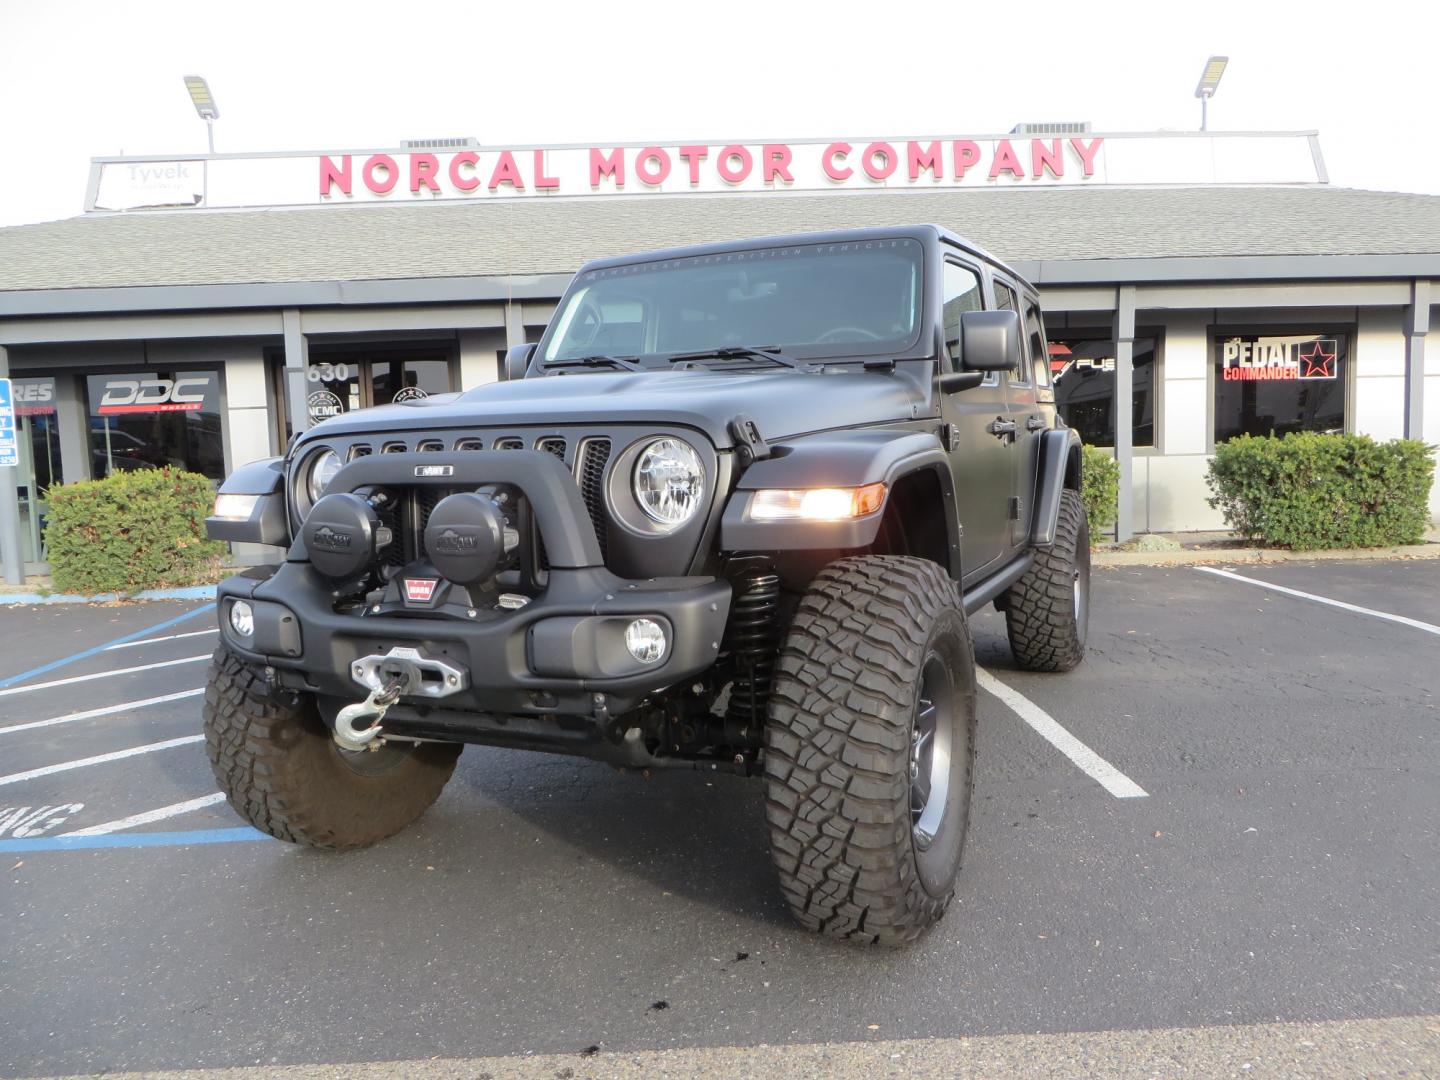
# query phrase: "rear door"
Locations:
[[982, 462]]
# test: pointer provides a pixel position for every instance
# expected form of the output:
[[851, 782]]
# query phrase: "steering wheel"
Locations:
[[858, 333]]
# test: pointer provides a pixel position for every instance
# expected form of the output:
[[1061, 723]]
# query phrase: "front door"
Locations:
[[980, 457]]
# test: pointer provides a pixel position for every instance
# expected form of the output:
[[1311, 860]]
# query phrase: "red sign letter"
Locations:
[[967, 153], [392, 174], [881, 149], [926, 158], [1087, 154], [464, 181], [655, 174], [1043, 158], [829, 161], [506, 172], [612, 165], [331, 174], [777, 163], [728, 172], [1006, 161], [422, 173], [693, 155], [542, 180]]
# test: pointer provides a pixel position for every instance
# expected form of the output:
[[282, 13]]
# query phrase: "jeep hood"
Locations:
[[782, 403]]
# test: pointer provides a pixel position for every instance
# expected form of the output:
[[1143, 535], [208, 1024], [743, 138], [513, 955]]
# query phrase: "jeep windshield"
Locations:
[[841, 301]]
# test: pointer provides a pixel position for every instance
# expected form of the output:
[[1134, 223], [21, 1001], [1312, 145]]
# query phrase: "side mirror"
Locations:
[[517, 361], [990, 340]]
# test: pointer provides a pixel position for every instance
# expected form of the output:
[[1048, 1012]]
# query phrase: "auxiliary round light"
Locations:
[[646, 640], [669, 482], [242, 618]]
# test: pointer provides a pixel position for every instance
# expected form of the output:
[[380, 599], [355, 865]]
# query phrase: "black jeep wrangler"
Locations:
[[730, 513]]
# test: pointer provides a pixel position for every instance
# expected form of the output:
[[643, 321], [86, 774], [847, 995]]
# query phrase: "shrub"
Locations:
[[131, 531], [1099, 488], [1308, 491]]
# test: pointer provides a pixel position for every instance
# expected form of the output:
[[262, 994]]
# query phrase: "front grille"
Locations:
[[587, 456], [594, 456]]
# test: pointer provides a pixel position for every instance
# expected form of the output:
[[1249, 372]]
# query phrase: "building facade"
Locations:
[[1195, 287]]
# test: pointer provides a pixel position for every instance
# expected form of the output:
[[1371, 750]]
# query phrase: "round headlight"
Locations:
[[669, 482], [322, 469]]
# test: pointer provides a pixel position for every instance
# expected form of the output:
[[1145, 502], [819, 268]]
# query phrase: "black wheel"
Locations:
[[1047, 612], [283, 772], [870, 750]]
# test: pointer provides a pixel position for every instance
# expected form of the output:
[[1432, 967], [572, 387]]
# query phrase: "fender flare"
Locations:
[[1060, 462], [837, 459]]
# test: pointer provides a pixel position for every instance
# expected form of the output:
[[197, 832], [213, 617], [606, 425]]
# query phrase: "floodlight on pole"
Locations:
[[1209, 80], [205, 106]]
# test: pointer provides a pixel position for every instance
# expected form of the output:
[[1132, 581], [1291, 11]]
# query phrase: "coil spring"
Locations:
[[751, 640]]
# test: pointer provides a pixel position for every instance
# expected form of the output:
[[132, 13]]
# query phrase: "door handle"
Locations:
[[1035, 423], [1000, 427]]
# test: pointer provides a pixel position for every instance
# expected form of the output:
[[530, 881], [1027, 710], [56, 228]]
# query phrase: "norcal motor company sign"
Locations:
[[675, 168]]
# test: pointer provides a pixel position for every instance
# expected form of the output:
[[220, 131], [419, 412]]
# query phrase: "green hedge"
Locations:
[[131, 531], [1100, 489], [1308, 491]]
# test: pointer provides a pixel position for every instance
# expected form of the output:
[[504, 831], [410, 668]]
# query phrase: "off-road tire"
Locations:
[[838, 739], [280, 768], [1047, 611]]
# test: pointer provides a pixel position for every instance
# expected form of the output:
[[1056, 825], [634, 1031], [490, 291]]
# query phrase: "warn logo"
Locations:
[[419, 590]]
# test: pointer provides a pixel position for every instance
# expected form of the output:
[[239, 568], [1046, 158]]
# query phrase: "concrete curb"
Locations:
[[195, 592], [1192, 556]]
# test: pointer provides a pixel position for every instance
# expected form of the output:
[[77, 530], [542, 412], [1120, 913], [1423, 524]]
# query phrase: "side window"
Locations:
[[962, 294], [1006, 300], [1039, 354]]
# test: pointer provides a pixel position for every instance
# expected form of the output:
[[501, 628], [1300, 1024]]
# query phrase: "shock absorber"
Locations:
[[750, 637]]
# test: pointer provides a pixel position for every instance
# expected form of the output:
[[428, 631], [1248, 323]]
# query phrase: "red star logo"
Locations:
[[1319, 364]]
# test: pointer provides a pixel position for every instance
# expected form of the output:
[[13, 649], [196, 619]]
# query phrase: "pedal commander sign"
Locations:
[[852, 163], [1279, 359]]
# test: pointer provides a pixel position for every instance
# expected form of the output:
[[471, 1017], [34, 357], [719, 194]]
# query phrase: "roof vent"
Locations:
[[1053, 127], [467, 141]]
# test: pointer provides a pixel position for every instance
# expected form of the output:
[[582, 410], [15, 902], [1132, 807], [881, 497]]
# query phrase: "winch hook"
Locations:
[[348, 732]]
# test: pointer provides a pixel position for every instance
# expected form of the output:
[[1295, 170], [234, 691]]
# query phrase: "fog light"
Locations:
[[645, 640], [242, 618]]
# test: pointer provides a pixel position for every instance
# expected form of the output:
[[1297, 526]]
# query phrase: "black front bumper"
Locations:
[[555, 655]]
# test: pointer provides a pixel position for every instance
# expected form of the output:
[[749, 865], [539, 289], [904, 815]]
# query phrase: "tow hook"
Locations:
[[349, 733]]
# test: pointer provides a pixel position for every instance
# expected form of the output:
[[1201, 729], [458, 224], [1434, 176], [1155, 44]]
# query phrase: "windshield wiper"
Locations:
[[771, 353], [624, 363]]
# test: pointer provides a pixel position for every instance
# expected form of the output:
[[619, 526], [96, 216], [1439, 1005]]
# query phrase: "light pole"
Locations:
[[204, 105], [1209, 80]]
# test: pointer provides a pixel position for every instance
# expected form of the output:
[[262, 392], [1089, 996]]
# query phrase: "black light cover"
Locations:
[[465, 537], [342, 534]]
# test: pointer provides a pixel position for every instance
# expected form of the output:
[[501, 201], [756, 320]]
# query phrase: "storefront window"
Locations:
[[1278, 383], [149, 419], [36, 417], [406, 380], [340, 382], [1083, 370]]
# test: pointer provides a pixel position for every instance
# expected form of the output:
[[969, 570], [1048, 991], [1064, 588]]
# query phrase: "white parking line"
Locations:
[[1230, 575], [90, 714], [153, 640], [99, 759], [101, 675], [173, 810], [1085, 759]]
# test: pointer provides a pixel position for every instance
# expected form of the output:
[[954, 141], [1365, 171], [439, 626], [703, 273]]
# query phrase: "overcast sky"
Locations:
[[81, 78]]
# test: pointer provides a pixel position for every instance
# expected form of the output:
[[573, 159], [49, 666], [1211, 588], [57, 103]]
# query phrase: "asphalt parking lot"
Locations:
[[1234, 819]]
